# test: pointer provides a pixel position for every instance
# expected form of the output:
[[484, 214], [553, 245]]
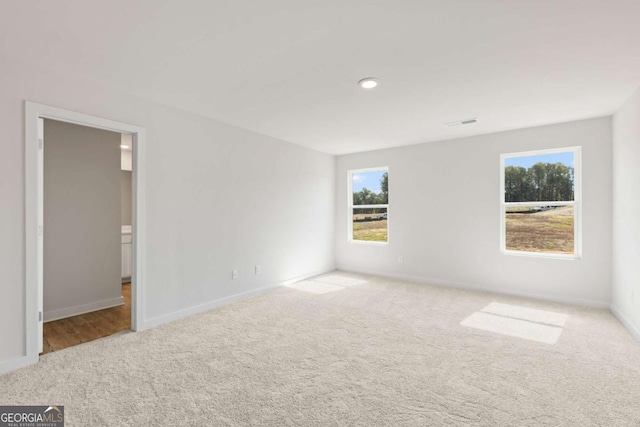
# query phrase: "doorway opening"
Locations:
[[87, 234], [79, 314]]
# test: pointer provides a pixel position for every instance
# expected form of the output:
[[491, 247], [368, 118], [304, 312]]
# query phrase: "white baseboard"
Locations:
[[633, 329], [11, 365], [159, 320], [63, 313], [481, 288]]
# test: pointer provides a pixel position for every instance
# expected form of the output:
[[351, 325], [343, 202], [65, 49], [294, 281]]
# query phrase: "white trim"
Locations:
[[380, 206], [576, 202], [138, 229], [577, 197], [351, 207], [372, 169], [159, 320], [369, 242], [33, 174], [76, 310], [633, 329], [570, 203], [550, 255], [40, 233], [483, 288], [543, 151]]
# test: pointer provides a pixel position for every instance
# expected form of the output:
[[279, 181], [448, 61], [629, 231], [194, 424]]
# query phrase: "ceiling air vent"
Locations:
[[462, 122]]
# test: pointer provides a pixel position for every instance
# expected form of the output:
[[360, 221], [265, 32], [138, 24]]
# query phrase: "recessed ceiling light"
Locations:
[[125, 147], [368, 82]]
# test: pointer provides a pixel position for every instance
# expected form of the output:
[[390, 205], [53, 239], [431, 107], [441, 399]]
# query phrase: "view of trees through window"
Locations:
[[539, 183], [539, 202], [369, 205]]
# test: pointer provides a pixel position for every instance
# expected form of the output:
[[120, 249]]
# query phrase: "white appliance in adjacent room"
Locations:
[[127, 260]]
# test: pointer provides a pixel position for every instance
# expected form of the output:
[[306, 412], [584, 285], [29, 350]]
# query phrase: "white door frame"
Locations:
[[34, 191]]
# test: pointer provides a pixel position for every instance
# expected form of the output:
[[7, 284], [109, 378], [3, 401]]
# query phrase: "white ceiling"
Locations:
[[288, 68]]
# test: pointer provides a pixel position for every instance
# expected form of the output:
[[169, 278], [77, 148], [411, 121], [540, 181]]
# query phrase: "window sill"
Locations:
[[368, 242], [541, 255]]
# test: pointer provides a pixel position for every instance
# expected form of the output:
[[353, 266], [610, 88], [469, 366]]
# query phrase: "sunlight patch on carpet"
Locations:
[[520, 322], [314, 287], [336, 279], [525, 313], [325, 284]]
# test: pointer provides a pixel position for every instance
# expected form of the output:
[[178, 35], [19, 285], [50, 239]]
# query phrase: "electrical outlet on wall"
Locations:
[[234, 274], [258, 270], [400, 259]]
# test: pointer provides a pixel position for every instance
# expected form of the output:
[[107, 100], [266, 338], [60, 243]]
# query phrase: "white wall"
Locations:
[[626, 214], [82, 220], [218, 198], [444, 215]]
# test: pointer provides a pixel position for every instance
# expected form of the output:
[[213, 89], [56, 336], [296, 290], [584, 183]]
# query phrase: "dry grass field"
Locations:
[[549, 231], [371, 231]]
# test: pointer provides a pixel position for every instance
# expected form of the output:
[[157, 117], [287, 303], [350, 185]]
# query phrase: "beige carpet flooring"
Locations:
[[345, 350]]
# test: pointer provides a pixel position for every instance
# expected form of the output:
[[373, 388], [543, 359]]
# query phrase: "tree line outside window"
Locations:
[[540, 182], [368, 197]]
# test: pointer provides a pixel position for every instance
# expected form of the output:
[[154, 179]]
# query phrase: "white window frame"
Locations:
[[351, 206], [576, 203]]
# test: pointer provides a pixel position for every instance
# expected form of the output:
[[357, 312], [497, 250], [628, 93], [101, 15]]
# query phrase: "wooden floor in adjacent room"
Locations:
[[87, 327]]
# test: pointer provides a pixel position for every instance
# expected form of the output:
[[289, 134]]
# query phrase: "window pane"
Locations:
[[370, 224], [546, 229], [539, 178], [370, 187]]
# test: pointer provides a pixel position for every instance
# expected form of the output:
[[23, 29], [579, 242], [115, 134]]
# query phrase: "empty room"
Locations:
[[408, 213]]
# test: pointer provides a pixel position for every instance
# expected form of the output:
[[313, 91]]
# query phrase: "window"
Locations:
[[369, 205], [540, 203]]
